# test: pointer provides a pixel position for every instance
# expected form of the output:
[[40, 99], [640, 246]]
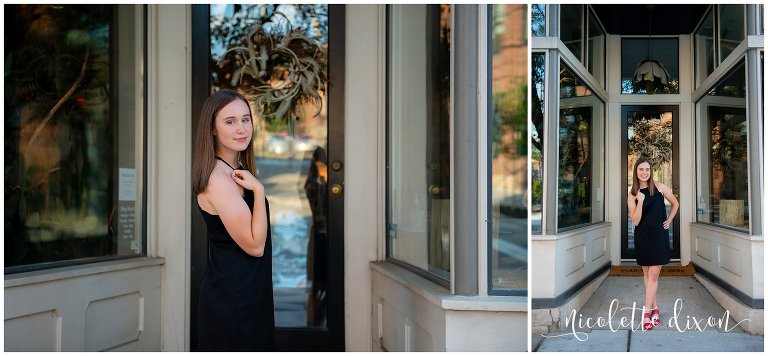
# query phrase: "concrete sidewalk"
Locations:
[[698, 324]]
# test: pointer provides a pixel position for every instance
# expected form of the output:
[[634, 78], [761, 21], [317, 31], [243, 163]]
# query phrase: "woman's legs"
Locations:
[[653, 278], [651, 284]]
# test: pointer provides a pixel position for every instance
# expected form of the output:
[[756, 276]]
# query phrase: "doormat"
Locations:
[[666, 271]]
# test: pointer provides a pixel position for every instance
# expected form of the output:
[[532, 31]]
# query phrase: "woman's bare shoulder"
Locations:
[[663, 188], [221, 181]]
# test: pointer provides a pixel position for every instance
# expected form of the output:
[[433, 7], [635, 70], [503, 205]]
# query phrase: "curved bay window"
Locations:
[[580, 138], [722, 153], [73, 134]]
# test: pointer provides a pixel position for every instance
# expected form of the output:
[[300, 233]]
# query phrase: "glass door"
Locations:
[[650, 132], [298, 150]]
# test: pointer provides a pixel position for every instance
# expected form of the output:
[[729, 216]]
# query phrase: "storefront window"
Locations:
[[538, 94], [73, 134], [705, 49], [572, 28], [731, 28], [539, 20], [722, 153], [509, 156], [635, 50], [418, 150], [596, 49], [580, 148]]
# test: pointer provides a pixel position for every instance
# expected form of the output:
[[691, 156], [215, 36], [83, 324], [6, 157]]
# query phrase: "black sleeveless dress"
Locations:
[[236, 309], [651, 240]]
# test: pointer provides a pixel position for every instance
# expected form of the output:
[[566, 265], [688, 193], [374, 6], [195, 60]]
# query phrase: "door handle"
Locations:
[[336, 189]]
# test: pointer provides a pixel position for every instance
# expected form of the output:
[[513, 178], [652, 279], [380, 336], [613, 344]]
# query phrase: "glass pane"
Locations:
[[572, 28], [635, 50], [539, 19], [722, 153], [509, 166], [579, 173], [538, 94], [731, 28], [73, 176], [293, 168], [418, 159], [596, 54], [705, 49], [499, 27], [649, 134]]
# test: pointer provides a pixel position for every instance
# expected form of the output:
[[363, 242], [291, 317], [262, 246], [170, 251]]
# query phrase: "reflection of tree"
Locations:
[[280, 63], [510, 120], [538, 19], [574, 167], [537, 111], [729, 152], [58, 131], [652, 138]]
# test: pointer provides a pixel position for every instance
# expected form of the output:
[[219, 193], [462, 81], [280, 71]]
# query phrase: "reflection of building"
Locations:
[[714, 55], [405, 93]]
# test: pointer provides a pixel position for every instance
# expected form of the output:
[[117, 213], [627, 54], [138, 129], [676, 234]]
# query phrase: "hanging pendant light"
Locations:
[[650, 74]]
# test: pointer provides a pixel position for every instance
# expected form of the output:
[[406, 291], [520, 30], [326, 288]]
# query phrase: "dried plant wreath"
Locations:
[[283, 68]]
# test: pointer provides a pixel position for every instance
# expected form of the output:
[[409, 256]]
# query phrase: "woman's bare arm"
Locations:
[[248, 230]]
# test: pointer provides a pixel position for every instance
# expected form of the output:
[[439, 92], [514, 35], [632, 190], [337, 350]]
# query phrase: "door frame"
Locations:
[[332, 338], [625, 109]]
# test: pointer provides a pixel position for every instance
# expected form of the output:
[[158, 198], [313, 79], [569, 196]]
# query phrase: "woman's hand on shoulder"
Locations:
[[245, 179]]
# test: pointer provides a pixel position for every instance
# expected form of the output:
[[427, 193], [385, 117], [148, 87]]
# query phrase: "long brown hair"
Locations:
[[636, 181], [204, 157]]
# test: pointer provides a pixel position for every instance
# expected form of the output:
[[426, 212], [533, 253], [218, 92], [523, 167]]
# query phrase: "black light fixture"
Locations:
[[650, 74]]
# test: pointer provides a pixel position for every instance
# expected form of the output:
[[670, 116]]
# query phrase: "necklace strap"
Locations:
[[225, 162]]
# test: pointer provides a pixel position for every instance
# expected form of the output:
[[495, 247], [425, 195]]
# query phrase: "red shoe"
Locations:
[[649, 324], [655, 316]]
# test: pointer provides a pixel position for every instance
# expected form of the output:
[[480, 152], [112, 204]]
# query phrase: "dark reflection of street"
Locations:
[[291, 218]]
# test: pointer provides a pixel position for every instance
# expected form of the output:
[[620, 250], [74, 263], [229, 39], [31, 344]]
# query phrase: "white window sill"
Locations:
[[570, 233], [744, 235], [442, 298], [53, 274]]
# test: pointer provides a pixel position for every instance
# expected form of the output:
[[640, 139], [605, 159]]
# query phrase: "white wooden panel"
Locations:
[[575, 258], [112, 322], [703, 248], [393, 328], [730, 259], [599, 247], [34, 332], [89, 317]]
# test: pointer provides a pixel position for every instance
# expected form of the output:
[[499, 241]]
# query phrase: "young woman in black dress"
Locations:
[[236, 310], [648, 214]]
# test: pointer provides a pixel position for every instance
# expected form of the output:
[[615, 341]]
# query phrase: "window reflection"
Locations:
[[705, 49], [73, 178], [596, 50], [572, 27], [731, 27], [509, 237], [539, 19], [664, 50], [579, 174], [722, 153], [537, 140], [418, 162]]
